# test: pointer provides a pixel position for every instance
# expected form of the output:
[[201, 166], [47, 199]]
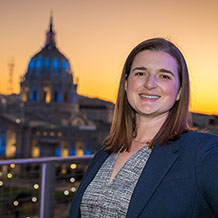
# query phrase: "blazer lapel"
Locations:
[[75, 208], [159, 163], [102, 156]]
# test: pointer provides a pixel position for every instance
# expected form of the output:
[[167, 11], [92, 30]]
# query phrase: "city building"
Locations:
[[48, 117]]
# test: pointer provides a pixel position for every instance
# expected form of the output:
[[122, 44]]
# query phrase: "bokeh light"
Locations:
[[63, 171], [15, 203], [73, 189], [12, 165], [17, 121], [73, 166], [9, 175], [34, 199], [72, 180], [66, 192], [36, 186]]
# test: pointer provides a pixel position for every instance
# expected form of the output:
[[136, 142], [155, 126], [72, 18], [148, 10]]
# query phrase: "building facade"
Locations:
[[48, 117]]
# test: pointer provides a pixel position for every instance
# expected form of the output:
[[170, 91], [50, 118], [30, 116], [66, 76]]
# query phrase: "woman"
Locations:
[[152, 165]]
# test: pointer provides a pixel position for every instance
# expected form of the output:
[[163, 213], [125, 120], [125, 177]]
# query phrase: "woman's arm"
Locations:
[[207, 172]]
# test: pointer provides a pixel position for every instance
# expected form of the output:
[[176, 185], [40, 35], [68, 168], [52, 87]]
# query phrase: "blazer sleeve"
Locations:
[[207, 172]]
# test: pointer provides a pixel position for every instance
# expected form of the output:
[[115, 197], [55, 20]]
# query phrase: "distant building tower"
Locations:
[[49, 79]]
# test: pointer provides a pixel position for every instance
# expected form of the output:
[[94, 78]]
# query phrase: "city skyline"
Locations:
[[96, 36]]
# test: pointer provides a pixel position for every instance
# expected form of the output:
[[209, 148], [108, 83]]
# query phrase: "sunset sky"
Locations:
[[97, 35]]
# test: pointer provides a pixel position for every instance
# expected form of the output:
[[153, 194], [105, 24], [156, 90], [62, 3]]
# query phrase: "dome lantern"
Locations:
[[50, 39]]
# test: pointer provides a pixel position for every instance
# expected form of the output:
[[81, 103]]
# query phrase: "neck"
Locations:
[[147, 127]]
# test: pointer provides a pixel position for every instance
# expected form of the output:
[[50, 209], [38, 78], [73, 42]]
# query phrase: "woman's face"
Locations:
[[152, 86]]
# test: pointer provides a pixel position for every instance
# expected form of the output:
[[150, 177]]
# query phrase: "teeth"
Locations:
[[150, 96]]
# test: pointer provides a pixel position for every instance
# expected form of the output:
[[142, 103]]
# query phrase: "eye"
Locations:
[[139, 74], [165, 76]]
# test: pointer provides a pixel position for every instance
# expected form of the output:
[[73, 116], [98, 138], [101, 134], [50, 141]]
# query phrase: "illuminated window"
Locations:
[[63, 64], [34, 95], [2, 142], [25, 94], [79, 148], [64, 152], [35, 151], [46, 94], [58, 152], [31, 64], [38, 64], [72, 152], [55, 64], [87, 152], [87, 149], [57, 96], [10, 142]]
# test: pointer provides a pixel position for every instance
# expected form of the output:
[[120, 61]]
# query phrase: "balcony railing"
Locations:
[[37, 187]]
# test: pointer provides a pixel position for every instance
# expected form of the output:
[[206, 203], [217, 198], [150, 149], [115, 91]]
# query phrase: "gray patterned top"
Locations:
[[105, 199]]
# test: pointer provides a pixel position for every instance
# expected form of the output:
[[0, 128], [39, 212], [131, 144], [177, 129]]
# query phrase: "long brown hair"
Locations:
[[123, 128]]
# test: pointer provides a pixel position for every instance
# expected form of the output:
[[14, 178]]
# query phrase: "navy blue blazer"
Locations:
[[180, 180]]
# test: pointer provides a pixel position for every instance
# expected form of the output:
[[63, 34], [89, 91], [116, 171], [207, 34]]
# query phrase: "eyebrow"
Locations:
[[161, 70], [139, 68]]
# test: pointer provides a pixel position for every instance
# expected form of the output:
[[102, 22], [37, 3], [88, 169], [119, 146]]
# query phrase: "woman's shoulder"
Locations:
[[200, 137], [200, 142]]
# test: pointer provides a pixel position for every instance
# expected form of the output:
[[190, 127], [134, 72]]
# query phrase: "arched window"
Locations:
[[55, 64], [31, 64], [63, 64], [38, 64], [46, 94], [57, 96], [34, 95]]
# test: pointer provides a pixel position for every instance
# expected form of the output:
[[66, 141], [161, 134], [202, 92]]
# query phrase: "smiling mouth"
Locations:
[[150, 96]]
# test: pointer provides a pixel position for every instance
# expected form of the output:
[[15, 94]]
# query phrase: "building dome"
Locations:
[[49, 78], [49, 62]]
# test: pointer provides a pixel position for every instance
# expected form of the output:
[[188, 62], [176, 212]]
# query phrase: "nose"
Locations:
[[150, 82]]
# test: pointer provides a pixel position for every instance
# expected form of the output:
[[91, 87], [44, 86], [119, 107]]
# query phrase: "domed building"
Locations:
[[48, 81], [48, 117]]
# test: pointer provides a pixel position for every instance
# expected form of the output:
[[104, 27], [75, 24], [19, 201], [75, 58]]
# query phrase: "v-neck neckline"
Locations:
[[109, 181]]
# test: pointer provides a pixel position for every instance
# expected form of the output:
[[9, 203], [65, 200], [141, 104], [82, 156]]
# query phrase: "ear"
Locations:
[[178, 95], [125, 84]]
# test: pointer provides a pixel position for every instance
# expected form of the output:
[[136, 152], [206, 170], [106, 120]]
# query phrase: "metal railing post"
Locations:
[[42, 200]]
